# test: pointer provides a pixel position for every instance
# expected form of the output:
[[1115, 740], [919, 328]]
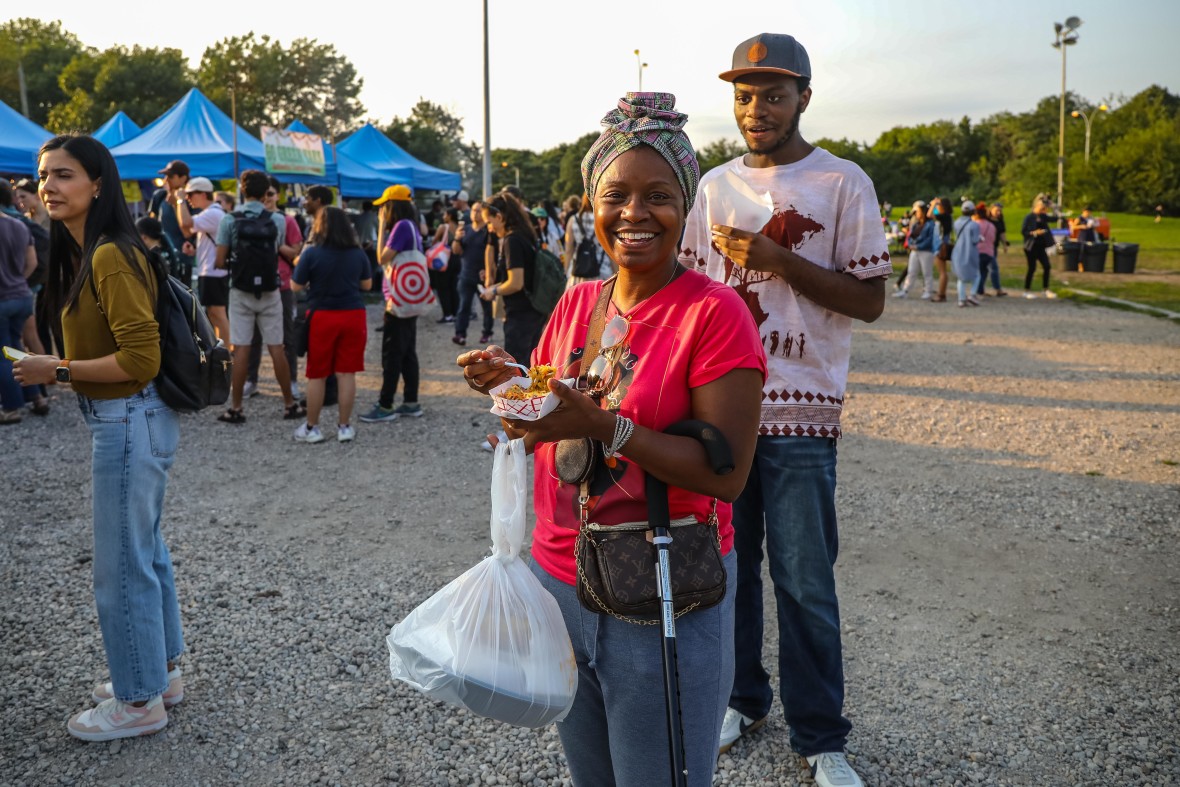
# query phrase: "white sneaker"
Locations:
[[308, 434], [1032, 296], [250, 390], [734, 726], [295, 391], [172, 695], [832, 770], [900, 294], [1050, 294], [113, 719], [345, 433], [927, 295]]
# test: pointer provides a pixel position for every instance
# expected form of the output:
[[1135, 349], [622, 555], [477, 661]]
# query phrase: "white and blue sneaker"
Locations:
[[308, 434], [345, 433], [831, 769], [734, 726]]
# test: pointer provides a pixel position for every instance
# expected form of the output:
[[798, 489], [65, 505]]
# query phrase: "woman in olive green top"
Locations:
[[103, 291]]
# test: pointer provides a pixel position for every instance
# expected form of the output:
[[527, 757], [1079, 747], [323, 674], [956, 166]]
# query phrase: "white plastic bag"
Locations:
[[492, 640]]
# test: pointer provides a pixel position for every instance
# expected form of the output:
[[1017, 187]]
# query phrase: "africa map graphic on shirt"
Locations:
[[790, 229]]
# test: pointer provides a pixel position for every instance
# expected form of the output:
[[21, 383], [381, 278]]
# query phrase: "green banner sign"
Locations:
[[293, 153]]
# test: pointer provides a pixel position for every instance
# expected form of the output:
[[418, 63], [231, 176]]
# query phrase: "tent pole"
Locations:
[[233, 109]]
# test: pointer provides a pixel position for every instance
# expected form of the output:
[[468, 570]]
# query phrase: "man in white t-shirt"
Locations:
[[212, 282], [797, 232]]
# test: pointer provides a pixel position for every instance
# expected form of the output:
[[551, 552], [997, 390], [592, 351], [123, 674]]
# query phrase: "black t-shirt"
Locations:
[[515, 252], [474, 243], [333, 277]]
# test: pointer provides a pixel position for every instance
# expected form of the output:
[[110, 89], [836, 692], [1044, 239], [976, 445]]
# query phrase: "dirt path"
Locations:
[[1009, 575]]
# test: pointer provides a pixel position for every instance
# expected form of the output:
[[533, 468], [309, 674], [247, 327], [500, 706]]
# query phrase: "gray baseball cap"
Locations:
[[769, 53]]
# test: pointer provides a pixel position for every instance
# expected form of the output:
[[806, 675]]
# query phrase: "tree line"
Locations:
[[1134, 160]]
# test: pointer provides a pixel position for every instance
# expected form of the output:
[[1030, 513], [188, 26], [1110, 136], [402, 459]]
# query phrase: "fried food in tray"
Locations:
[[539, 377]]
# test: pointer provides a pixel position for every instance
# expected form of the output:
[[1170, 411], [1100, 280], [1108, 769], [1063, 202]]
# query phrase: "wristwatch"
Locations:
[[63, 371]]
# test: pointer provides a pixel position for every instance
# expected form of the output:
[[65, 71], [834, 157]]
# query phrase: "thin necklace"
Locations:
[[676, 269]]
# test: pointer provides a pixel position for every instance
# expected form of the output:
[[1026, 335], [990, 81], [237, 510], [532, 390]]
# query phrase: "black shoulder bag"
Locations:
[[616, 563]]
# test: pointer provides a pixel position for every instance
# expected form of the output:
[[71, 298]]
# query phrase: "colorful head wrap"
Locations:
[[645, 119]]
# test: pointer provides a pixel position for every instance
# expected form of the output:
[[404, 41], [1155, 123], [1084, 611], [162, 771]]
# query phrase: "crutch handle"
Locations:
[[716, 446]]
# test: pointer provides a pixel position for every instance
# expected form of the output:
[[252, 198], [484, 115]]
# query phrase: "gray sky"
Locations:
[[558, 66]]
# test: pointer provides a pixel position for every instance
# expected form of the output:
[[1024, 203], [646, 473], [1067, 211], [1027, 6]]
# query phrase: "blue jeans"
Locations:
[[616, 734], [134, 443], [790, 500], [467, 294], [988, 263], [14, 312]]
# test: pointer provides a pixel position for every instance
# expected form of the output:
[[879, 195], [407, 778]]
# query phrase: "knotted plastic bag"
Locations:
[[493, 640]]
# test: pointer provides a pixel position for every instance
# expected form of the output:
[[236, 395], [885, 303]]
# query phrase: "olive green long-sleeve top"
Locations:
[[124, 325]]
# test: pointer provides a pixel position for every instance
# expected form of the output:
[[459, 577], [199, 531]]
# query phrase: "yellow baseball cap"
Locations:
[[397, 193]]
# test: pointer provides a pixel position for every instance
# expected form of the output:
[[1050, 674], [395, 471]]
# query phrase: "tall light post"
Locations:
[[641, 65], [487, 112], [1077, 113], [1067, 35]]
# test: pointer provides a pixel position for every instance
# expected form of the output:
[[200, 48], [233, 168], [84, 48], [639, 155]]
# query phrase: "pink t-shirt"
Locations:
[[293, 238], [690, 333], [987, 237]]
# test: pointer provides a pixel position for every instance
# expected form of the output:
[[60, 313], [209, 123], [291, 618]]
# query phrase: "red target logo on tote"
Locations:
[[409, 285]]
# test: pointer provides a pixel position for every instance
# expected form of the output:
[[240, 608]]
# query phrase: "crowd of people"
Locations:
[[195, 230], [679, 307]]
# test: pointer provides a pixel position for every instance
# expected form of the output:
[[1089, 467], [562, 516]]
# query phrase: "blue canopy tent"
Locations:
[[117, 130], [20, 139], [195, 131], [355, 179], [369, 146]]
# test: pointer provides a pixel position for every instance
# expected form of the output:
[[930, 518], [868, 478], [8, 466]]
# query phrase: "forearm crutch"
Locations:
[[659, 521]]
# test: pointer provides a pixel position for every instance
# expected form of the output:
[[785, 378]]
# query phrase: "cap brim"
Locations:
[[737, 73], [380, 201]]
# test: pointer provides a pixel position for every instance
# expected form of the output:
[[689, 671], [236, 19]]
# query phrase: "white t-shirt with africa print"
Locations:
[[824, 209]]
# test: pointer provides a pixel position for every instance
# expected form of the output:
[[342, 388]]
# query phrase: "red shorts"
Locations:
[[336, 343]]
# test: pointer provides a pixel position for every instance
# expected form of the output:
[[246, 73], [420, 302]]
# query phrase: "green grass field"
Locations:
[[1156, 281]]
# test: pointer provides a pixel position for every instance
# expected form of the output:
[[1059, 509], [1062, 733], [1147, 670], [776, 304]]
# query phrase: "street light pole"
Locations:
[[641, 65], [487, 112], [1066, 36], [1078, 113]]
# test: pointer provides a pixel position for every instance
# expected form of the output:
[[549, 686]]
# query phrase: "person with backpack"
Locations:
[[585, 259], [512, 271], [102, 292], [248, 242]]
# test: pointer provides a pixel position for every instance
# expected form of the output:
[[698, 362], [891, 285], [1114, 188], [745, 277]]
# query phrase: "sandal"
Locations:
[[232, 416], [938, 299], [40, 408], [9, 417], [293, 412]]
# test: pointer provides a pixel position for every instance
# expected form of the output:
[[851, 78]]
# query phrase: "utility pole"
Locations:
[[1066, 36]]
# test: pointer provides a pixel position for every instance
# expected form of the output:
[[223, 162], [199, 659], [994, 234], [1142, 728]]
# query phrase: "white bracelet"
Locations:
[[624, 428]]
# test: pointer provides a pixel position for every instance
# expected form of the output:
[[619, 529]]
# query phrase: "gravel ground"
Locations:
[[1009, 510]]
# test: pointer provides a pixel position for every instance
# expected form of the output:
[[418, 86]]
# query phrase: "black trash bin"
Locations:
[[1124, 257], [1071, 252], [1094, 257]]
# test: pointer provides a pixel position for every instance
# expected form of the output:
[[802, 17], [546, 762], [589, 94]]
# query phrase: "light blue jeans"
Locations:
[[134, 444], [616, 735]]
